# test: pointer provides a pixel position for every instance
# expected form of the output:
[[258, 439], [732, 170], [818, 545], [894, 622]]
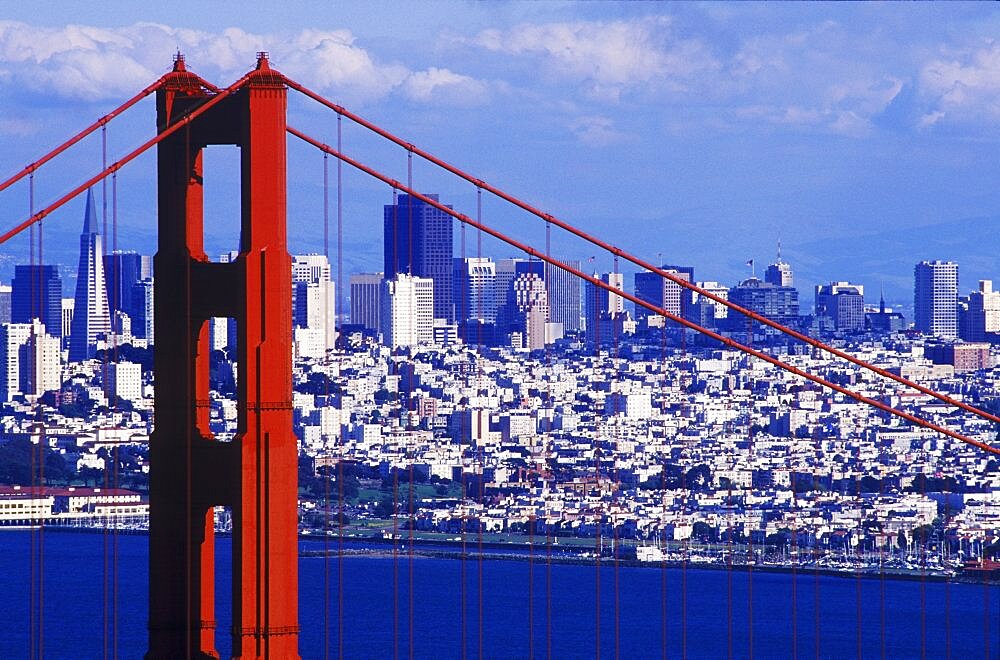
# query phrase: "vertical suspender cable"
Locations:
[[462, 312], [395, 482], [858, 559], [409, 395], [615, 489], [41, 469], [545, 455], [480, 475], [106, 583], [114, 564], [337, 311], [32, 551], [326, 473], [750, 550]]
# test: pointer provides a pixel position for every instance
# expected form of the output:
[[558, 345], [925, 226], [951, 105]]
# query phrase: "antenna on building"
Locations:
[[779, 250]]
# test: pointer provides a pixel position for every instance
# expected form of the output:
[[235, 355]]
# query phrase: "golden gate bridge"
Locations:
[[255, 475]]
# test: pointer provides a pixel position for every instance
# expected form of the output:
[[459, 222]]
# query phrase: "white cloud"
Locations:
[[96, 64], [965, 86], [446, 87], [596, 131], [607, 56], [19, 127]]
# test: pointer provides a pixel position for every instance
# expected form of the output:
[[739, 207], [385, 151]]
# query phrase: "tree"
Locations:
[[19, 464], [699, 478], [704, 532], [384, 508], [901, 540], [777, 539], [922, 534]]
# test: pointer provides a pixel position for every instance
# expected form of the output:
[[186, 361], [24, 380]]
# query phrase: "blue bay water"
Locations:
[[527, 610]]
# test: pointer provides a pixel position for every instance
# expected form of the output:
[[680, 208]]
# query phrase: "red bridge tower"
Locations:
[[256, 474]]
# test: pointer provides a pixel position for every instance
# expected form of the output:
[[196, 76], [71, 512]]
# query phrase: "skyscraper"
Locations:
[[474, 281], [563, 290], [602, 306], [935, 297], [720, 311], [313, 303], [530, 308], [37, 294], [779, 273], [843, 303], [365, 305], [407, 311], [778, 303], [90, 313], [983, 314], [666, 294], [6, 296], [418, 242], [142, 309], [123, 271]]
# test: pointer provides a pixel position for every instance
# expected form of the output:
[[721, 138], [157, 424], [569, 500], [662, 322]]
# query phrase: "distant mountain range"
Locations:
[[888, 257]]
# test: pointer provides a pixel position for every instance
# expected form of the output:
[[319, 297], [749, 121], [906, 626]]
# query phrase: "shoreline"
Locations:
[[447, 548]]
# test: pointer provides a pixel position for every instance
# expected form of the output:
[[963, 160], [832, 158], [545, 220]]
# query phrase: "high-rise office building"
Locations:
[[720, 311], [407, 311], [563, 290], [365, 305], [530, 309], [982, 315], [36, 293], [142, 309], [935, 297], [779, 273], [662, 292], [310, 268], [6, 300], [123, 271], [474, 282], [90, 314], [843, 303], [506, 271], [418, 242], [778, 303], [601, 306], [313, 302], [67, 317]]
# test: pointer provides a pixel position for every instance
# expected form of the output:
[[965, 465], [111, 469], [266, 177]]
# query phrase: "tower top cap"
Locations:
[[262, 60], [179, 61]]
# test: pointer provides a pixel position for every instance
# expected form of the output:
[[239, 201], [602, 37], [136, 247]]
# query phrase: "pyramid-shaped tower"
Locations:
[[90, 315]]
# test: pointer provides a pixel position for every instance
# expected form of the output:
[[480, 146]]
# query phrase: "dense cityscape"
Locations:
[[471, 396]]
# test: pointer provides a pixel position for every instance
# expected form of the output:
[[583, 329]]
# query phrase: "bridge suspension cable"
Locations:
[[103, 121], [618, 252], [132, 155], [727, 341]]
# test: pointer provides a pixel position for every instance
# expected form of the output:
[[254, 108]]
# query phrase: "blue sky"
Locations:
[[864, 136]]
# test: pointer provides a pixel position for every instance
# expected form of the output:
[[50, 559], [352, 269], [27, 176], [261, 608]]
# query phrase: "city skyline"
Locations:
[[822, 436], [802, 108]]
